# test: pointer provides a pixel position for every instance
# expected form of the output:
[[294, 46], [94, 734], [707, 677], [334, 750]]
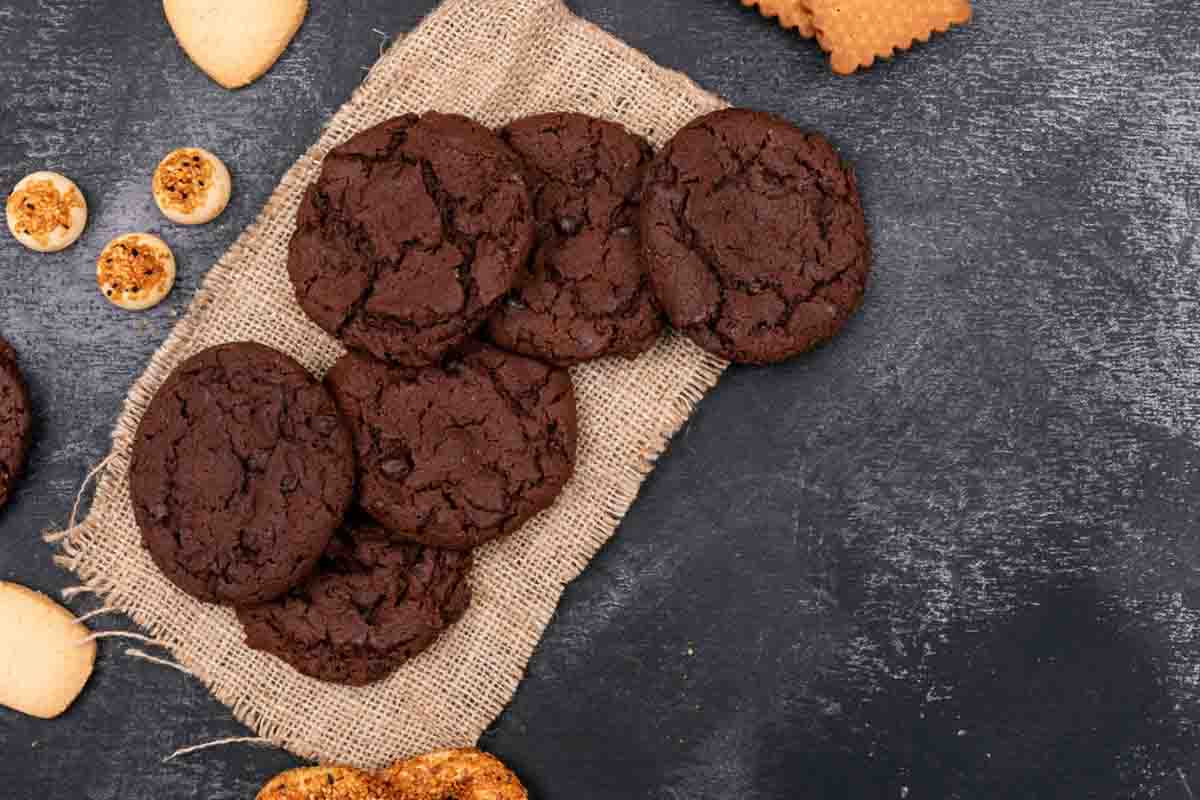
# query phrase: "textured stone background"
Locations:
[[953, 555]]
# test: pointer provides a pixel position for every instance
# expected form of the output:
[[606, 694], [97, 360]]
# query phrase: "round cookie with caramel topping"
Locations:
[[458, 454], [586, 292], [136, 271], [46, 212], [372, 604], [755, 236], [411, 237], [191, 186], [241, 472]]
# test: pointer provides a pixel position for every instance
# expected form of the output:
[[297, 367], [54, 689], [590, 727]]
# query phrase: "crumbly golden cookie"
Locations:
[[136, 271], [466, 774], [790, 13], [856, 32], [46, 212], [325, 783], [191, 186], [44, 658], [235, 42]]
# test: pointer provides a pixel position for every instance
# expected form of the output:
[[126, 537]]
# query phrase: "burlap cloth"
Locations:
[[493, 60]]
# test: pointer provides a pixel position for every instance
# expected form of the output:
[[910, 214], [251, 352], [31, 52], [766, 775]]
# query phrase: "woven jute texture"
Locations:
[[493, 60]]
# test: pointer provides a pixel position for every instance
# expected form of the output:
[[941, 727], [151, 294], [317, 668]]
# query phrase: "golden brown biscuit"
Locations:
[[325, 783], [191, 186], [136, 271], [46, 212], [790, 13], [466, 774], [45, 657], [856, 32], [233, 41]]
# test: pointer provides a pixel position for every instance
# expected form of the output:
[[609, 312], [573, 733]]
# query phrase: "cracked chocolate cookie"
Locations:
[[16, 422], [411, 237], [372, 604], [242, 470], [455, 455], [755, 236], [586, 292]]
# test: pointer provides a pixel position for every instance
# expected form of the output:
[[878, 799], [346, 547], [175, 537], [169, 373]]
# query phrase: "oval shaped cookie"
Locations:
[[755, 236], [411, 237], [457, 455], [241, 472], [191, 186], [371, 605], [44, 659], [136, 271], [46, 212]]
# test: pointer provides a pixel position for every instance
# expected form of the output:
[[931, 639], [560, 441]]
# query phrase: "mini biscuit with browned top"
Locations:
[[46, 212], [191, 186], [136, 271]]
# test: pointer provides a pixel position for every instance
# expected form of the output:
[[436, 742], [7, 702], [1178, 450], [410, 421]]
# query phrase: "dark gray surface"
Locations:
[[951, 555]]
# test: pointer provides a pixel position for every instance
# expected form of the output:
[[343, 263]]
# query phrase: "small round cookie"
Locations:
[[136, 271], [411, 237], [46, 212], [16, 422], [755, 236], [241, 472], [455, 455], [371, 605], [586, 292], [191, 186]]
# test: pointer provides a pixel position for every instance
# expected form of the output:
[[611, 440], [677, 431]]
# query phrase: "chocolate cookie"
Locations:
[[411, 237], [241, 472], [455, 455], [372, 604], [586, 292], [16, 421], [755, 236]]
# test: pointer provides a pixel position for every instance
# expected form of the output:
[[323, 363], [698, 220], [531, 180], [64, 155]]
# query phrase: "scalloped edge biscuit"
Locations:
[[856, 32], [232, 41], [791, 14], [44, 660]]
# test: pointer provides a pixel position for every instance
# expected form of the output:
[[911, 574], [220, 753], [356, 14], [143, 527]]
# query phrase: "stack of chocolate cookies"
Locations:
[[465, 270]]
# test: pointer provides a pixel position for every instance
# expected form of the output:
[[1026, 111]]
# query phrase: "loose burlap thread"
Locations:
[[494, 61]]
